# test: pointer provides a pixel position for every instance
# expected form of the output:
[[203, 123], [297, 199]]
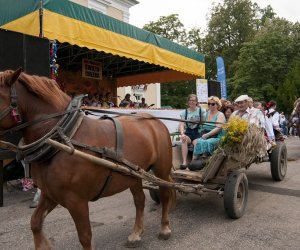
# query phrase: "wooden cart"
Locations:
[[230, 183]]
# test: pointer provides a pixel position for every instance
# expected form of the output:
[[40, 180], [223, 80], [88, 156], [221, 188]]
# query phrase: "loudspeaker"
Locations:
[[214, 88], [28, 52]]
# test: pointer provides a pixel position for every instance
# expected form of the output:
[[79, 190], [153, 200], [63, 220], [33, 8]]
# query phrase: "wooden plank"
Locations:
[[188, 175], [213, 167]]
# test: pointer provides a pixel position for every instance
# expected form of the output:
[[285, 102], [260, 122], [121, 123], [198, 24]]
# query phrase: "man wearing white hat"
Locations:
[[252, 115]]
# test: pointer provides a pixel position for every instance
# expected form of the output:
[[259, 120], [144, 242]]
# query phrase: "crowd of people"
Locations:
[[97, 100], [202, 128]]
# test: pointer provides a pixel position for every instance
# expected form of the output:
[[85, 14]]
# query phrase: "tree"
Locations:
[[262, 15], [170, 27], [230, 25], [289, 91], [264, 62], [195, 40]]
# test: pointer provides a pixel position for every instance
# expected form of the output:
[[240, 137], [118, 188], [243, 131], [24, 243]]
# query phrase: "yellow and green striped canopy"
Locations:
[[68, 22]]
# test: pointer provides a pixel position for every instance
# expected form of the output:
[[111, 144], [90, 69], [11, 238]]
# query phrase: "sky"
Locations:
[[194, 13]]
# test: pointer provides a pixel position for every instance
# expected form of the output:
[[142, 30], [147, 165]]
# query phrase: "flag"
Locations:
[[221, 76]]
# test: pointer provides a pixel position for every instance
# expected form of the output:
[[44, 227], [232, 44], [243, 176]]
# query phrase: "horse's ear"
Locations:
[[14, 76]]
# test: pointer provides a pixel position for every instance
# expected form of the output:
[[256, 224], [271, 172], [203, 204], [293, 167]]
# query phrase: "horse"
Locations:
[[25, 103]]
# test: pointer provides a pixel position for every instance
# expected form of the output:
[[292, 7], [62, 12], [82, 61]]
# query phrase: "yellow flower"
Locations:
[[235, 130]]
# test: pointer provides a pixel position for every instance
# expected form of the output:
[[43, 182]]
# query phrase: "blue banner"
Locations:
[[222, 76]]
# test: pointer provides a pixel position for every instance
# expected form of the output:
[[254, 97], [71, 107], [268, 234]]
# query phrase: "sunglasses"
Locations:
[[211, 104]]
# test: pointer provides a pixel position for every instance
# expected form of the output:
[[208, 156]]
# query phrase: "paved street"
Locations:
[[271, 220]]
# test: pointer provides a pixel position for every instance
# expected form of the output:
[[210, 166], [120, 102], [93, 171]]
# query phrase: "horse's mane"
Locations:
[[43, 87]]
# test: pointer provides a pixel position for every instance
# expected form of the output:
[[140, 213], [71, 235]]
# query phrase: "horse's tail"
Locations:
[[172, 196]]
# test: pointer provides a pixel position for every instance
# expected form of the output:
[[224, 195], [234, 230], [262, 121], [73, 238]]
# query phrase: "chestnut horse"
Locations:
[[72, 181]]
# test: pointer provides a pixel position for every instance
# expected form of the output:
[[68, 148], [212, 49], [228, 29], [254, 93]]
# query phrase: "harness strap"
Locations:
[[42, 118], [5, 112], [116, 155], [13, 102], [200, 118], [119, 136], [69, 123], [104, 187]]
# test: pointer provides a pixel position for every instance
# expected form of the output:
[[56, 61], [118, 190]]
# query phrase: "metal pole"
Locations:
[[41, 12]]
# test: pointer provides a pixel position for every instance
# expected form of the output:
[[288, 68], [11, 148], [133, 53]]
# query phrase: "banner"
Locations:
[[91, 69], [202, 90], [222, 76]]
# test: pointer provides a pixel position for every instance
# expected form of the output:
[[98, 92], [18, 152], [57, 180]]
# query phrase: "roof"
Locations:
[[70, 23]]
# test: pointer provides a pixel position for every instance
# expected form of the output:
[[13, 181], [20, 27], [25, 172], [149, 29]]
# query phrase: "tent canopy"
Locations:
[[129, 54]]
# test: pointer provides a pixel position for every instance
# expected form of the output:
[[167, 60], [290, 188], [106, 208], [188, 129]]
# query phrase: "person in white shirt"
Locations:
[[256, 116], [272, 114], [252, 115]]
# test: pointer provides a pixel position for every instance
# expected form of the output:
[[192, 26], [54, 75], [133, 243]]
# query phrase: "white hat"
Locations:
[[242, 98]]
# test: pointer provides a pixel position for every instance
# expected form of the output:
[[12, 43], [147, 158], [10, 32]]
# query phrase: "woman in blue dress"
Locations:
[[211, 133]]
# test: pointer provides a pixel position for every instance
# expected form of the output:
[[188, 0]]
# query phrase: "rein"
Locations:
[[43, 118], [134, 114]]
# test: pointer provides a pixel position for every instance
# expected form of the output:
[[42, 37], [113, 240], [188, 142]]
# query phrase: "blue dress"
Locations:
[[204, 146]]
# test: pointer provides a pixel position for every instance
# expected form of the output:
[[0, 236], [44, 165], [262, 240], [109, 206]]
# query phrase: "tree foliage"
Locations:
[[289, 91], [230, 25], [265, 62], [261, 52], [170, 27]]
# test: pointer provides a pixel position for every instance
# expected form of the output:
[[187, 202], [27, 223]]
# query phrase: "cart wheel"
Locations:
[[279, 162], [236, 194], [154, 194]]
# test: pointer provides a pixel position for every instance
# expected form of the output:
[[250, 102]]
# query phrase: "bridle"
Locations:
[[16, 116], [13, 107]]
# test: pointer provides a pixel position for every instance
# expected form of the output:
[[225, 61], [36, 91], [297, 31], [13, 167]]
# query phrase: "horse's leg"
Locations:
[[44, 207], [134, 239], [79, 211], [167, 198]]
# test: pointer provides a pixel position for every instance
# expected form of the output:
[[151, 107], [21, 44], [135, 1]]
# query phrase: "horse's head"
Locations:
[[9, 114], [25, 98]]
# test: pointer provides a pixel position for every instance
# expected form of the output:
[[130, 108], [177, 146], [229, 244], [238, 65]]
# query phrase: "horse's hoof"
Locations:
[[164, 236], [133, 244]]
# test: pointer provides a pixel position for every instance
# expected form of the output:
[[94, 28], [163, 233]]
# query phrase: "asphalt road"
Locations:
[[271, 220]]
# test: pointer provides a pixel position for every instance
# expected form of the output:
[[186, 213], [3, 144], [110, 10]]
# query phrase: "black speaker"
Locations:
[[19, 50], [214, 88], [11, 50]]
